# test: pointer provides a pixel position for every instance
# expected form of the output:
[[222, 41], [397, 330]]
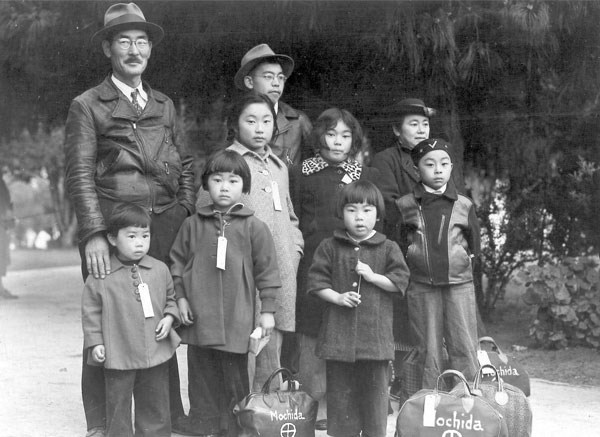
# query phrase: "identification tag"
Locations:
[[145, 299], [276, 198], [221, 252]]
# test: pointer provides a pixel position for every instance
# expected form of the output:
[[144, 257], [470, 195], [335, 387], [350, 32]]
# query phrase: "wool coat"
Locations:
[[267, 171], [223, 301], [364, 332], [315, 189], [113, 316]]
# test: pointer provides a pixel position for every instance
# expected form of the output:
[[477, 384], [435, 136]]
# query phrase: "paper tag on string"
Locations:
[[221, 252], [145, 299], [276, 198]]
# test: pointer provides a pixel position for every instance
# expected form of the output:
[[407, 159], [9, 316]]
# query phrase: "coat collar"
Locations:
[[315, 164], [378, 238], [236, 146], [238, 210], [116, 264], [108, 91], [450, 192]]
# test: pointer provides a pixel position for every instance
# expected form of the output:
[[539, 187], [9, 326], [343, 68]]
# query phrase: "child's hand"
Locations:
[[99, 353], [350, 299], [365, 271], [267, 323], [185, 312], [164, 327]]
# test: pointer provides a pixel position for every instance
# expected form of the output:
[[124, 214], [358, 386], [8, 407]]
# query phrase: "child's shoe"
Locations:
[[96, 432]]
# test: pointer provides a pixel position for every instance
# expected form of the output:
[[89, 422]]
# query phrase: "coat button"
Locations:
[[268, 189], [355, 284], [356, 248]]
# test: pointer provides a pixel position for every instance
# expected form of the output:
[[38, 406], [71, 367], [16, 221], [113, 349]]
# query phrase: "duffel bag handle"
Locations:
[[479, 377], [459, 375], [266, 388], [495, 347]]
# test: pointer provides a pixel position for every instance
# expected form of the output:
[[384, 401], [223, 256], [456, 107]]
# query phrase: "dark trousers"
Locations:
[[217, 380], [357, 398], [163, 230], [150, 389]]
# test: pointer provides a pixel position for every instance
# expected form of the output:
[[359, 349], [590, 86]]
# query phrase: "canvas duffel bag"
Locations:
[[509, 370], [434, 413]]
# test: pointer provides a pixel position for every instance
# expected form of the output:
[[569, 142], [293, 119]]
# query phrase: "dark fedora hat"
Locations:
[[256, 55], [410, 106], [122, 16]]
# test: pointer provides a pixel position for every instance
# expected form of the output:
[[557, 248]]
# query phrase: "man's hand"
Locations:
[[164, 327], [97, 256], [99, 353], [185, 312]]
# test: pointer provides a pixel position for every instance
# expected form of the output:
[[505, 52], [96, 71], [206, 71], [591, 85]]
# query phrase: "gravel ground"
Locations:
[[40, 367]]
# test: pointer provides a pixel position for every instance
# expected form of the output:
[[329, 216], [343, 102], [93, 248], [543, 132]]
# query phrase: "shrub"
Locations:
[[567, 295]]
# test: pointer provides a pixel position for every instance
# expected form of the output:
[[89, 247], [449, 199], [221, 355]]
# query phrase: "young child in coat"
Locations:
[[315, 186], [252, 125], [442, 239], [356, 272], [127, 319], [220, 256]]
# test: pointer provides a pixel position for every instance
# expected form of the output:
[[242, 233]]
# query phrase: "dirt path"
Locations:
[[40, 367]]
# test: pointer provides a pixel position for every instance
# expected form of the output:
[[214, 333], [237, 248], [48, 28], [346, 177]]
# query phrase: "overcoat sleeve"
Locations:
[[320, 274], [180, 255], [91, 312]]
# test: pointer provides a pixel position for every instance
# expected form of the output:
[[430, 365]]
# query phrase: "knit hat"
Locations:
[[429, 145]]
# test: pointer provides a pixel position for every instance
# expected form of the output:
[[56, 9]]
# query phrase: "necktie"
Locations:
[[134, 101]]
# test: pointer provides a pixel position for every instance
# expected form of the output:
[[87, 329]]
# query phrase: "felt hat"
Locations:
[[122, 16], [410, 106], [256, 55], [429, 145]]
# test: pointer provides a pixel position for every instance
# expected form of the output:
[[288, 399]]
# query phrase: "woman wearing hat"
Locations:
[[398, 177]]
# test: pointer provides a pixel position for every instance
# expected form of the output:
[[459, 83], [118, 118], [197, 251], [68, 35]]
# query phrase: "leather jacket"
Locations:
[[291, 144], [114, 155]]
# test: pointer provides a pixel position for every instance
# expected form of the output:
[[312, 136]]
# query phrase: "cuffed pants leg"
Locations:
[[150, 388], [357, 398], [311, 369], [217, 380], [438, 313]]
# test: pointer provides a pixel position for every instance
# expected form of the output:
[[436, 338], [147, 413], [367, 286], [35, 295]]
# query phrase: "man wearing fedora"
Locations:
[[122, 145], [266, 72]]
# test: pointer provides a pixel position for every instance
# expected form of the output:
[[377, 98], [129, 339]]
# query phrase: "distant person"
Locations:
[[122, 144], [442, 241], [252, 125], [315, 186], [216, 276], [266, 72], [7, 222], [127, 320], [356, 272]]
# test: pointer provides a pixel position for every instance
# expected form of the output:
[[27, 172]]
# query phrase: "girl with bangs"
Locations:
[[356, 271], [315, 187]]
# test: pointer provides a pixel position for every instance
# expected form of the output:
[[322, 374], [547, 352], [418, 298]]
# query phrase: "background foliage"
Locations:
[[515, 83]]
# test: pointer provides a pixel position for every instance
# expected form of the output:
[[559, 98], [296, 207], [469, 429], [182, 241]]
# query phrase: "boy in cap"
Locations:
[[265, 72], [441, 240]]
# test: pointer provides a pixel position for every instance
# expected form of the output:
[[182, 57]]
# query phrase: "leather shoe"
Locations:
[[5, 294], [321, 425]]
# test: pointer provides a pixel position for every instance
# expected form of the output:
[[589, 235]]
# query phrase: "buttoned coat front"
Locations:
[[112, 315], [223, 301], [314, 195], [364, 332], [283, 225]]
